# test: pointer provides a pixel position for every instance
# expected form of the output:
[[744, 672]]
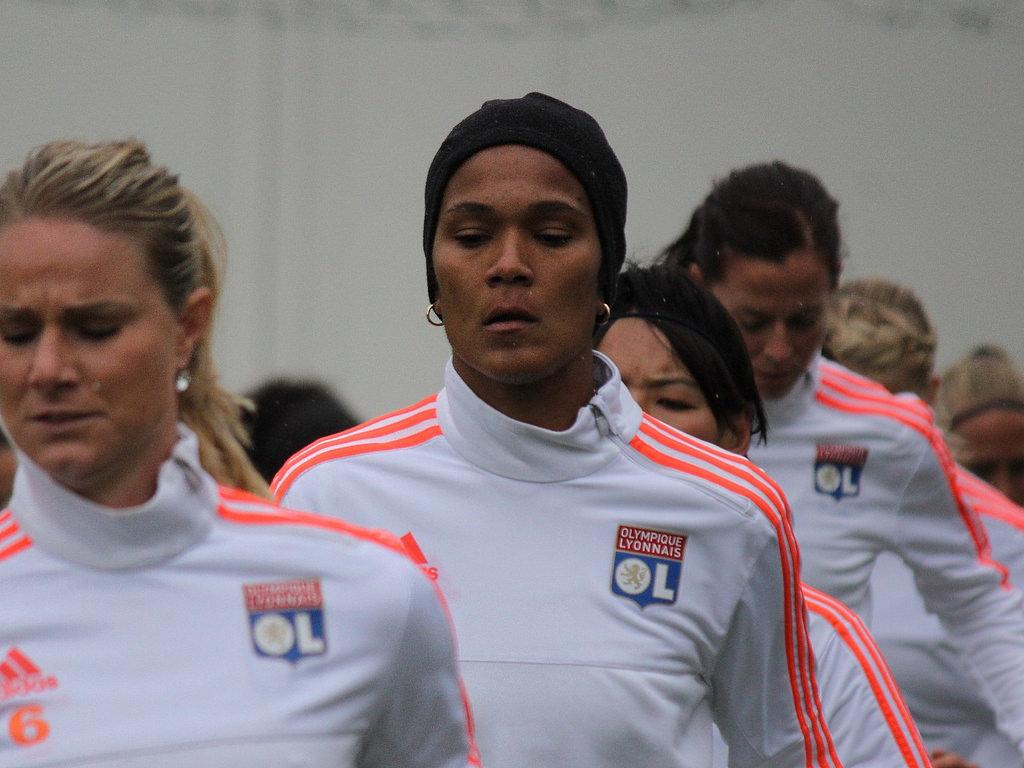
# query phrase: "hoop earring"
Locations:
[[604, 315], [182, 381], [440, 320]]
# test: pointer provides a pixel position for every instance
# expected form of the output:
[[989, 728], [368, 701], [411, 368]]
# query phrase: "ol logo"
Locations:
[[647, 565], [286, 618], [837, 469]]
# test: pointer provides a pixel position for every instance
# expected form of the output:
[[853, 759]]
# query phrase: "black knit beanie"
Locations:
[[568, 134]]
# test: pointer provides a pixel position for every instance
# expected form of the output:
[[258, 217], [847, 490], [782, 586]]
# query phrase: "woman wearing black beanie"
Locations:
[[616, 585]]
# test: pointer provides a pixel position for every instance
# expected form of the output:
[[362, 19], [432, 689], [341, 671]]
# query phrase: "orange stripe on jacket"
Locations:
[[808, 704], [8, 527], [365, 431], [846, 623], [284, 480], [833, 375], [14, 547], [742, 467], [258, 511], [988, 501], [10, 542], [885, 402], [903, 413]]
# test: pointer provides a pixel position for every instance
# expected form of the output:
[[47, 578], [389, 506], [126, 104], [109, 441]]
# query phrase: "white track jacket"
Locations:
[[211, 629], [871, 725], [946, 704], [615, 586], [867, 472]]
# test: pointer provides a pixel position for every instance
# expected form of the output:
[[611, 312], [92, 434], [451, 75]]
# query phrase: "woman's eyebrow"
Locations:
[[664, 381], [539, 208], [553, 207], [112, 308], [476, 209]]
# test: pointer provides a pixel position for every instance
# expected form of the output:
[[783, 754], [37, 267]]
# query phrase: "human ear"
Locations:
[[193, 324], [696, 273], [736, 436]]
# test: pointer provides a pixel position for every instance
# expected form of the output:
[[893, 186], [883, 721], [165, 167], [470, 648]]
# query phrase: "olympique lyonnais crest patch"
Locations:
[[837, 469], [286, 618], [647, 565]]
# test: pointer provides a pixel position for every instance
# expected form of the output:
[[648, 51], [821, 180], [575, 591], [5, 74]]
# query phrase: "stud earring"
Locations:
[[182, 381]]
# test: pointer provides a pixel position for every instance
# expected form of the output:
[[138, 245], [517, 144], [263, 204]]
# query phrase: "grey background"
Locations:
[[308, 127]]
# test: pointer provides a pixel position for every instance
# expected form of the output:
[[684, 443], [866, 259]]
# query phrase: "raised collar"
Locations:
[[496, 443], [789, 407], [73, 528]]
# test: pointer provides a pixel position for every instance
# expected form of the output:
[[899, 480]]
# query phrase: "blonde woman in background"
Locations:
[[881, 329], [981, 404], [156, 610]]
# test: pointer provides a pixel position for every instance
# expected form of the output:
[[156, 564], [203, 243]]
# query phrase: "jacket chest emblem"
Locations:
[[647, 564], [838, 469], [286, 618]]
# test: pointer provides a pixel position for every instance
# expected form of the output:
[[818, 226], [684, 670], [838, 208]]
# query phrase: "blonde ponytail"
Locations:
[[881, 330], [115, 187]]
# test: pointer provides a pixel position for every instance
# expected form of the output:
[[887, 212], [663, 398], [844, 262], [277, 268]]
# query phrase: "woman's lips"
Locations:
[[506, 319], [57, 420]]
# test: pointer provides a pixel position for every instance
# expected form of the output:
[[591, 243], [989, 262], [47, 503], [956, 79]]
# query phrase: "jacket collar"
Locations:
[[496, 443], [73, 528], [795, 402]]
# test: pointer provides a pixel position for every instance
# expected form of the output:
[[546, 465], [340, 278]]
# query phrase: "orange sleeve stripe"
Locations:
[[982, 493], [805, 704], [836, 378], [365, 431], [974, 526], [843, 620], [743, 468], [15, 547], [269, 514], [9, 529], [828, 368], [474, 750], [284, 480], [266, 514], [988, 501], [887, 405], [731, 463], [1012, 516]]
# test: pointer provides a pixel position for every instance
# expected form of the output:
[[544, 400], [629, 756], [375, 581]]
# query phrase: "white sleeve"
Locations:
[[760, 660], [424, 719], [941, 539], [870, 724]]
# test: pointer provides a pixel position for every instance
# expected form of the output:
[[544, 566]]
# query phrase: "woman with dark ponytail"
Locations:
[[865, 471]]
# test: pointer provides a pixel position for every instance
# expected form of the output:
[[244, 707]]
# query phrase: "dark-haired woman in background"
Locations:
[[153, 615], [683, 360], [865, 471]]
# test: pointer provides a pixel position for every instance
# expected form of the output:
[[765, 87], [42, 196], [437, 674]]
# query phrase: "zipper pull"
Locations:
[[603, 427]]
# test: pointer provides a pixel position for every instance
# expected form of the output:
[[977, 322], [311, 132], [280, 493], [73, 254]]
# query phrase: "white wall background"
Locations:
[[308, 127]]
